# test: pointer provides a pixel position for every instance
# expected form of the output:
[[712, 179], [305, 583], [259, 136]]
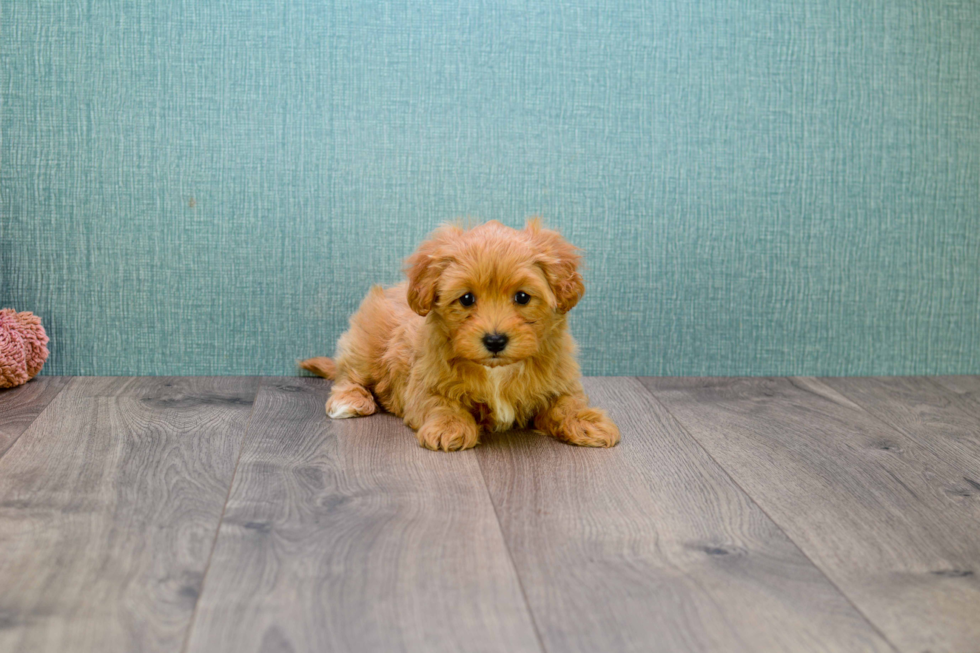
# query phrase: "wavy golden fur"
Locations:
[[422, 353]]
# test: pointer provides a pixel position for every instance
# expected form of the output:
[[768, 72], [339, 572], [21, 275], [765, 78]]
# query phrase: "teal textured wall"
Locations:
[[209, 187]]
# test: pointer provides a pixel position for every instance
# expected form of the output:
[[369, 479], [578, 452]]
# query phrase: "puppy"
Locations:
[[476, 339]]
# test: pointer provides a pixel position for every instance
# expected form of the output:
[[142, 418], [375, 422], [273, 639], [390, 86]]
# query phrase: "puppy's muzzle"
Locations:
[[495, 342]]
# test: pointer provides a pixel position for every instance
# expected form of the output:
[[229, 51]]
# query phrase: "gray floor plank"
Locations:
[[650, 546], [932, 415], [878, 512], [967, 387], [20, 406], [109, 504], [348, 536]]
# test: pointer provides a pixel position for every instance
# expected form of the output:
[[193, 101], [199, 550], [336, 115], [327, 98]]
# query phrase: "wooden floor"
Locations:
[[228, 514]]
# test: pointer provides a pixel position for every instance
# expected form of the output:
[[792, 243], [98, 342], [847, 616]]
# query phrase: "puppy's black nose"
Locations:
[[495, 342]]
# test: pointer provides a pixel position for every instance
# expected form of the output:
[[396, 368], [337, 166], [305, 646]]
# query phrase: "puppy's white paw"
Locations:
[[350, 401], [341, 411]]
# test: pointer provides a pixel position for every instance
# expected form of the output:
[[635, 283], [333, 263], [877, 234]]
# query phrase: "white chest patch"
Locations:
[[503, 411]]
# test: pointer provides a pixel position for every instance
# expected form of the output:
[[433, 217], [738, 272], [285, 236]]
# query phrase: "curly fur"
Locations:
[[418, 352]]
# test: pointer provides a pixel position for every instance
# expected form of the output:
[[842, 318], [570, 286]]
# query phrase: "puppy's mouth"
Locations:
[[496, 361]]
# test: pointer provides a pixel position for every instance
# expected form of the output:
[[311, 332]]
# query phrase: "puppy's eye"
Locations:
[[522, 297], [468, 299]]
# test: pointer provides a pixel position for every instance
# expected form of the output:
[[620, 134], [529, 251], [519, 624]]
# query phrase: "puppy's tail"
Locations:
[[321, 366]]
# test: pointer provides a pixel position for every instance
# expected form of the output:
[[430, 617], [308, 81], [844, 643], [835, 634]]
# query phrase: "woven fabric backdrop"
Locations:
[[209, 187]]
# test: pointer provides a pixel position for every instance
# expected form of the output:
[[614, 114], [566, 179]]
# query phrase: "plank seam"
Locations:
[[70, 381], [890, 426], [775, 523], [221, 519], [510, 556]]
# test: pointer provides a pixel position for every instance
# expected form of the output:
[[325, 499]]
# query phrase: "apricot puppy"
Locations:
[[476, 339]]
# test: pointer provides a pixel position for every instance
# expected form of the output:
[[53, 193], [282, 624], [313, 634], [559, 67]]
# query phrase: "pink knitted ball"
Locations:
[[23, 347]]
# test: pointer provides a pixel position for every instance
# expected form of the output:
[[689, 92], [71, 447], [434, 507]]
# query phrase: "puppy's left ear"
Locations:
[[424, 267], [559, 260]]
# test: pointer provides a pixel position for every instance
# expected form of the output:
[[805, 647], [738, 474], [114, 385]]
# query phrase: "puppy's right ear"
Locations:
[[424, 267]]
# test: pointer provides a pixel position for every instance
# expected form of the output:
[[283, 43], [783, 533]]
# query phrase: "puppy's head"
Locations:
[[498, 293]]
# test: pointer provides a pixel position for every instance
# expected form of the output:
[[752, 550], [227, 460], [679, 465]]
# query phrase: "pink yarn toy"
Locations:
[[23, 347]]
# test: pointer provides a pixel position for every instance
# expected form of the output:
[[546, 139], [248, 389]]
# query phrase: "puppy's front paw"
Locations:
[[589, 427], [350, 400], [449, 433]]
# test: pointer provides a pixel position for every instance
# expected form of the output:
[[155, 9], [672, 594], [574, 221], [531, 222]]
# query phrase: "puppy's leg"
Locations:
[[358, 352], [570, 419], [450, 428], [349, 399]]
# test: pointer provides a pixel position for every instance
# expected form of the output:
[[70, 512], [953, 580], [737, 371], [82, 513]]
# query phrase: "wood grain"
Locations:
[[109, 505], [20, 406], [347, 536], [935, 417], [650, 546], [967, 387], [879, 512]]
